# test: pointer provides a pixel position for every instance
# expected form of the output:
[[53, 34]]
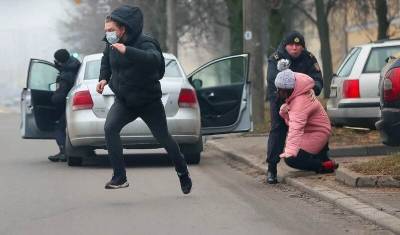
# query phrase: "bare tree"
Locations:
[[172, 34], [253, 12], [322, 9], [383, 11], [84, 30]]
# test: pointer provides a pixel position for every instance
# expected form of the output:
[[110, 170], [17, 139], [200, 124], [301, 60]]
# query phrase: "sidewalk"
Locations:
[[379, 205]]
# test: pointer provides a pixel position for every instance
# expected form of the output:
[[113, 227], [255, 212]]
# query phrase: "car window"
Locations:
[[92, 70], [377, 58], [225, 72], [348, 62], [41, 76]]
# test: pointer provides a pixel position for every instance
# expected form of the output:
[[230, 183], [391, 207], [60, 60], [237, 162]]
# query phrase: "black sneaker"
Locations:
[[58, 157], [116, 183], [186, 182]]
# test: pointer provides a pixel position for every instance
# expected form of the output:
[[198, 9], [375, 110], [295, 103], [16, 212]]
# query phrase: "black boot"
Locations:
[[59, 156], [272, 176]]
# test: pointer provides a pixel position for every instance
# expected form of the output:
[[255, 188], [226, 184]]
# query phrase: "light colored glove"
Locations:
[[285, 155]]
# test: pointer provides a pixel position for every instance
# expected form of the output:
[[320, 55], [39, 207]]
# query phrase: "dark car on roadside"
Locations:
[[389, 88]]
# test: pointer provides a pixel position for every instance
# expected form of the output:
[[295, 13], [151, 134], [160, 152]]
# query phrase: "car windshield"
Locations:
[[92, 70], [348, 62], [377, 58]]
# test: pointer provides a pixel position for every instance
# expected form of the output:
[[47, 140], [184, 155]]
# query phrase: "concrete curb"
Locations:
[[344, 201], [357, 150], [349, 203], [355, 179]]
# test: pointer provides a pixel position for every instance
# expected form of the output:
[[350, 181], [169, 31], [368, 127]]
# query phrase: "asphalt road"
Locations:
[[41, 197]]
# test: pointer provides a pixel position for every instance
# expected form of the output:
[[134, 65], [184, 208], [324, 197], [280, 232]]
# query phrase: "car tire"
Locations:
[[192, 152], [74, 161], [193, 158], [75, 155]]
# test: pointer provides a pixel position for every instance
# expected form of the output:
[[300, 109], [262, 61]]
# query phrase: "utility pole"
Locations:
[[172, 37], [252, 32]]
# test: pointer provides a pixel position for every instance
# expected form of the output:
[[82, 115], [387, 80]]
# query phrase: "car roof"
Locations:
[[382, 43], [98, 56]]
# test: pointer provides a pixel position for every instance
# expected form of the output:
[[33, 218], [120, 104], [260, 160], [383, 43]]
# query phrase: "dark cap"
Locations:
[[61, 55], [294, 37]]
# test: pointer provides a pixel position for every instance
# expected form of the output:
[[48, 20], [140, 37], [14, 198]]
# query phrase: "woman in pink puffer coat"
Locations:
[[306, 145]]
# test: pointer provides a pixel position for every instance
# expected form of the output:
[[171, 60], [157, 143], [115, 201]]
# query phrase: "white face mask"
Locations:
[[112, 37]]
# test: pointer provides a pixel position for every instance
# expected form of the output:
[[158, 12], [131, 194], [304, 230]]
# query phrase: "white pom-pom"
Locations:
[[283, 64]]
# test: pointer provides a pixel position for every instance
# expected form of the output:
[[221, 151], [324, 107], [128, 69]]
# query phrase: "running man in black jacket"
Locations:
[[132, 66]]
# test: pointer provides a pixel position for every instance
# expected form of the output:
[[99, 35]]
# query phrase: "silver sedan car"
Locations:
[[214, 99]]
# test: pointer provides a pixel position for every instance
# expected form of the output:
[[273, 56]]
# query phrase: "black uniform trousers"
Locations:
[[59, 132], [307, 161], [277, 134], [153, 114]]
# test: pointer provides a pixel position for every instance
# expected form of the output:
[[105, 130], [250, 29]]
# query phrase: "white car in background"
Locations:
[[354, 97], [214, 99]]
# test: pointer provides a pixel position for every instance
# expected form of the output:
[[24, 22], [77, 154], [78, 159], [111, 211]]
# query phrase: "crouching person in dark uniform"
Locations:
[[307, 140], [132, 65], [292, 48], [68, 67]]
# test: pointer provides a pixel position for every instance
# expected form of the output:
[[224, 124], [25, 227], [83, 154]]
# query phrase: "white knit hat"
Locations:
[[285, 79]]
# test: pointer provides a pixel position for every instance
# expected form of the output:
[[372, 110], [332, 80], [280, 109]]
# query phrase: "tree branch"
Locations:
[[302, 10]]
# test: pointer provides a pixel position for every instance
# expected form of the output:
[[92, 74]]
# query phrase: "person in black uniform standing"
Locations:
[[132, 65], [68, 67], [292, 48]]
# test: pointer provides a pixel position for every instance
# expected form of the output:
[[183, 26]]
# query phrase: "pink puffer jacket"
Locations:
[[309, 125]]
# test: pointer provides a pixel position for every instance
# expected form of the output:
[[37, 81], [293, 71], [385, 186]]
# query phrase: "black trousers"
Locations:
[[154, 116], [277, 135], [307, 161], [60, 132]]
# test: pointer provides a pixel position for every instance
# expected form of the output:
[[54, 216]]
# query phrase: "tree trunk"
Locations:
[[381, 15], [276, 27], [323, 31], [253, 45], [235, 20], [172, 37]]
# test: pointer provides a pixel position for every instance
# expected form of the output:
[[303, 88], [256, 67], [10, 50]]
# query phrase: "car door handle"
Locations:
[[211, 95]]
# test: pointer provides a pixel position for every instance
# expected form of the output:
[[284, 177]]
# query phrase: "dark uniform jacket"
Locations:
[[305, 63], [133, 76], [65, 81]]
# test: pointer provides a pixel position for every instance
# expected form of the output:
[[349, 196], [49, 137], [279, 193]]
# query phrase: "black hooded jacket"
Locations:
[[133, 76], [306, 63], [65, 81]]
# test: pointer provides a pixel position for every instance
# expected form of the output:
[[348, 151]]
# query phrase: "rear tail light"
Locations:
[[351, 88], [187, 99], [82, 100], [391, 86]]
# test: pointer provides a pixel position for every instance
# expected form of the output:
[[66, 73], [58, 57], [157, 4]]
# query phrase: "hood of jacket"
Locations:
[[303, 85], [132, 18]]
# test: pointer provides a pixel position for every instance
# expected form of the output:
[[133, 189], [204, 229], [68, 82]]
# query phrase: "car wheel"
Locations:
[[193, 158], [75, 155], [74, 161], [192, 152]]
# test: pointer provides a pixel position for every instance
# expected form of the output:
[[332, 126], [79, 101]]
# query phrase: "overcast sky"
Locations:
[[28, 30]]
